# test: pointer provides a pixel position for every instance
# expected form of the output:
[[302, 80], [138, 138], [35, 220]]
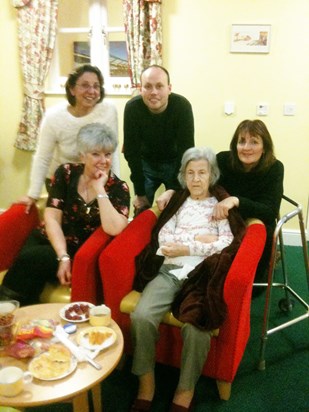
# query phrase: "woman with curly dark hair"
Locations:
[[60, 125]]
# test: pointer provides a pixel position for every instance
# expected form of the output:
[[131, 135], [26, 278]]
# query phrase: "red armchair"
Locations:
[[117, 269], [15, 227]]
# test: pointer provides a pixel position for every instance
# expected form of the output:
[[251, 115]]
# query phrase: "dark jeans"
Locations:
[[34, 266], [157, 174]]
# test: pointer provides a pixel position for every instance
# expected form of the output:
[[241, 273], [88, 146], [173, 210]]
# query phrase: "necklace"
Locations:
[[85, 190]]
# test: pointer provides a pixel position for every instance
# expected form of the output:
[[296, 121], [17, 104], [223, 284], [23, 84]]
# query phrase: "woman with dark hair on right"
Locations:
[[253, 176]]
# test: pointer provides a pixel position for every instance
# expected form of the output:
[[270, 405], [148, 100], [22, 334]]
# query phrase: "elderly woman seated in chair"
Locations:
[[183, 269], [82, 197]]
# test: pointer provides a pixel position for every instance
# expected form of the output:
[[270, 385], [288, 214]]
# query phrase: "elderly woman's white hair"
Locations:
[[96, 136], [199, 153]]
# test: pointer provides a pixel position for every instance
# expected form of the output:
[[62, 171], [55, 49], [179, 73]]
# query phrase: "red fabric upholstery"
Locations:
[[86, 282], [117, 269], [15, 227]]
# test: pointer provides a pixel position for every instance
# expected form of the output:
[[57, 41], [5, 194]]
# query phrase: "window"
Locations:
[[90, 31]]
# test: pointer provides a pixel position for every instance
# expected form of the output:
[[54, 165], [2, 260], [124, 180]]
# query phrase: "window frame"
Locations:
[[98, 29]]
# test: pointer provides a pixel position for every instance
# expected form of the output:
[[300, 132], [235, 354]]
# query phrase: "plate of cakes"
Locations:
[[96, 337]]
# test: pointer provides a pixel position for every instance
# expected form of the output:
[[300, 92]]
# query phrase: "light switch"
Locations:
[[289, 109], [229, 108]]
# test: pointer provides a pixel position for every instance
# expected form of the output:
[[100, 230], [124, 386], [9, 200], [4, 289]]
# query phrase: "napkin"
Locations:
[[182, 273], [79, 352]]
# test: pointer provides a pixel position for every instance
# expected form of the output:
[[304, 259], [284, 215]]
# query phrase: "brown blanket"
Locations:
[[200, 301]]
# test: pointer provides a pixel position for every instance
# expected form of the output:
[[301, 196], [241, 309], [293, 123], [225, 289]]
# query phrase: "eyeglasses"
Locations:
[[87, 86]]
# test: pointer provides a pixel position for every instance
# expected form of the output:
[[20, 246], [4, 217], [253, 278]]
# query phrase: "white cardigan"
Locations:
[[57, 140]]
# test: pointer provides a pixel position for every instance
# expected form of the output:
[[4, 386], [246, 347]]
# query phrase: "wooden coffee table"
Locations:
[[72, 388]]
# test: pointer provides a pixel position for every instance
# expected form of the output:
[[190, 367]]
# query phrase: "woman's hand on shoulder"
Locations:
[[221, 209], [164, 198], [28, 201]]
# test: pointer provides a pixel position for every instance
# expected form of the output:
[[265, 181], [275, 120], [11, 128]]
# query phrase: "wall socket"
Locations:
[[262, 109]]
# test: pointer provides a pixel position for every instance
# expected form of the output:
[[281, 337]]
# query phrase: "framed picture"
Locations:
[[250, 38]]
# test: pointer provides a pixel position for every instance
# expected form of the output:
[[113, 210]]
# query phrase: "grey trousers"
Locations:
[[155, 301]]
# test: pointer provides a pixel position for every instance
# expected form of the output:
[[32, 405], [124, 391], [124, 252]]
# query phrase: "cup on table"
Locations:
[[100, 316], [7, 309], [13, 380]]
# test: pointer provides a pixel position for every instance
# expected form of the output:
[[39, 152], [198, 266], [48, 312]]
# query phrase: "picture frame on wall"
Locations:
[[250, 38]]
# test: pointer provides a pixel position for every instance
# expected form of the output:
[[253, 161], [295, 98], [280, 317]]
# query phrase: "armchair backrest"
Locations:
[[124, 248], [15, 227]]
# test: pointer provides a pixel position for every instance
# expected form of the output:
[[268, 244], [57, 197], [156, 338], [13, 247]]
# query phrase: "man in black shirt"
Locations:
[[158, 129]]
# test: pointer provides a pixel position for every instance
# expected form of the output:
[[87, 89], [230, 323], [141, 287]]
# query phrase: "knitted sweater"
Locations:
[[194, 217], [259, 193], [156, 138], [57, 140]]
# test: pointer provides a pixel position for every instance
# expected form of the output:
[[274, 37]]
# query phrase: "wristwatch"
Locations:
[[64, 258]]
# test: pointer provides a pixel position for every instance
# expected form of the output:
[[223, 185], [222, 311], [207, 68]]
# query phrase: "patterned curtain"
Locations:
[[143, 25], [37, 24]]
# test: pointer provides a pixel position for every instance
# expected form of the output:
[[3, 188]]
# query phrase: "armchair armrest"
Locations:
[[117, 262], [86, 282], [15, 227], [237, 295]]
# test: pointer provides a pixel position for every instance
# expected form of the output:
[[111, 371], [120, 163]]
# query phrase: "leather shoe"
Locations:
[[140, 405]]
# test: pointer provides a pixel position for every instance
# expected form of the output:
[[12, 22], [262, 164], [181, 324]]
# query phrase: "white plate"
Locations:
[[70, 307], [67, 372], [83, 337]]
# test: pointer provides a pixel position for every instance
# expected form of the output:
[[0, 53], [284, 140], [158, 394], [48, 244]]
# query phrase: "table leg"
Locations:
[[97, 398], [80, 402]]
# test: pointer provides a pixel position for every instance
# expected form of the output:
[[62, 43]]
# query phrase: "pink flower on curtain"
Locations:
[[143, 25], [37, 24], [20, 3]]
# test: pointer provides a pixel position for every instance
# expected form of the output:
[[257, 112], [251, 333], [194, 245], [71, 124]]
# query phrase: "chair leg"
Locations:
[[224, 389]]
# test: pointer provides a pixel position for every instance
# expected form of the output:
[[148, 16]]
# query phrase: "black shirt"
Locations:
[[259, 193], [156, 138]]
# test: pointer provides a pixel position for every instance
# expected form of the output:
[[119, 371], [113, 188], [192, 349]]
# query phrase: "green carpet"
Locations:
[[282, 387]]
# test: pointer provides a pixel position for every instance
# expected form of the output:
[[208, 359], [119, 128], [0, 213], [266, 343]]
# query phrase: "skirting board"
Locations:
[[293, 237]]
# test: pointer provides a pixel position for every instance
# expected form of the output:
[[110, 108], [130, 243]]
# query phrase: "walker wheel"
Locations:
[[286, 305]]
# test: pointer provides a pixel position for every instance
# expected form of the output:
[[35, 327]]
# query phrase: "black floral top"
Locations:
[[81, 219]]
